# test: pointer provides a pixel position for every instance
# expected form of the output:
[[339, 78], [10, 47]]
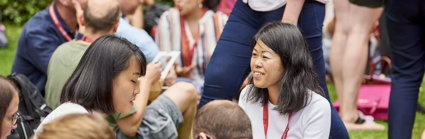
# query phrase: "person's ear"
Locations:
[[116, 26], [202, 135]]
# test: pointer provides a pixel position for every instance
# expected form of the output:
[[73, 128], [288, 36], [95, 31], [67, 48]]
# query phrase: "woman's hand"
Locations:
[[153, 73], [292, 11], [171, 77], [184, 71]]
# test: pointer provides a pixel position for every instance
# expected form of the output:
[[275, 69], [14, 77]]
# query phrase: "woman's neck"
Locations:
[[194, 16], [274, 94]]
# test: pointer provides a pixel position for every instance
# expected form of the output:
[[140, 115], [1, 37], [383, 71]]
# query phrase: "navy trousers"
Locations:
[[406, 27], [229, 64]]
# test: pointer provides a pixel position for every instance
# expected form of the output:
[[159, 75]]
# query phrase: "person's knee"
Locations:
[[188, 91]]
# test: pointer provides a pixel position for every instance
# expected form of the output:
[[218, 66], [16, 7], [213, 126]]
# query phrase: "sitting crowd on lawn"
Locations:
[[258, 73]]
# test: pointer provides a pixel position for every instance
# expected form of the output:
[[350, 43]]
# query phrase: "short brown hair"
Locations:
[[105, 22], [222, 119], [77, 126]]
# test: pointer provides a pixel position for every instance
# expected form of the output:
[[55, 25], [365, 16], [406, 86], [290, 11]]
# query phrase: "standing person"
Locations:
[[107, 80], [229, 66], [349, 53], [193, 28], [41, 35], [9, 101], [406, 31], [284, 99]]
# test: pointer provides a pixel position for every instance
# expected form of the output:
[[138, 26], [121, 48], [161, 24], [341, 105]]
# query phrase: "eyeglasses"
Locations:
[[14, 118]]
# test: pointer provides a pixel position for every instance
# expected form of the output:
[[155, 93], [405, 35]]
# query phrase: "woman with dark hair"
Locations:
[[284, 87], [9, 101], [193, 28], [229, 65], [108, 78]]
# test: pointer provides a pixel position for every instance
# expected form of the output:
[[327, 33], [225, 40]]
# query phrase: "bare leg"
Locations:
[[355, 57], [185, 97], [339, 39], [349, 56]]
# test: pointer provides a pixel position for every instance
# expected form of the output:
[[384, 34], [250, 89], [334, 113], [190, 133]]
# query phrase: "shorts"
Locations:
[[161, 120]]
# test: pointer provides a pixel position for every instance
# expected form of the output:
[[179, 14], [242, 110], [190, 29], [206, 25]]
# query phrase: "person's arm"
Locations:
[[292, 11], [40, 49], [317, 119], [163, 32], [129, 125]]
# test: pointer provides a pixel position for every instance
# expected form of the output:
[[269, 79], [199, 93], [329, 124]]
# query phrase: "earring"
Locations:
[[200, 5]]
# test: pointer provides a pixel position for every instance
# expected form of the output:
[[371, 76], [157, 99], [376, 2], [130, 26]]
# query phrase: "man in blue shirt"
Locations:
[[135, 35], [39, 38]]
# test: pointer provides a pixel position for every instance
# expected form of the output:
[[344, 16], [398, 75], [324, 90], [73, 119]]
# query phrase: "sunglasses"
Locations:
[[14, 118]]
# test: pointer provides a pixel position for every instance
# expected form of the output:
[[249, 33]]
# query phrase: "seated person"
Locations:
[[77, 126], [192, 28], [284, 98], [9, 101], [40, 36], [99, 17], [221, 119], [107, 80]]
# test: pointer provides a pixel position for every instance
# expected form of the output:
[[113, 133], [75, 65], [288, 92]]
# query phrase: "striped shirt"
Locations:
[[169, 38]]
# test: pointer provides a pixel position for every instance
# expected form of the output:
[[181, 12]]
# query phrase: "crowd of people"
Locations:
[[257, 72]]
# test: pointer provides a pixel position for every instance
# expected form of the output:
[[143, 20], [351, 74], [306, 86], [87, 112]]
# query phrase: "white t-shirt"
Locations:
[[63, 109], [268, 5], [311, 122]]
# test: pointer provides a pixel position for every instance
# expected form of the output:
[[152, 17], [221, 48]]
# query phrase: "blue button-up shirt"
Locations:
[[39, 39], [139, 37]]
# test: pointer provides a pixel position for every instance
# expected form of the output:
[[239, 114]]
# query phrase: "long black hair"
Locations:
[[90, 85], [298, 78]]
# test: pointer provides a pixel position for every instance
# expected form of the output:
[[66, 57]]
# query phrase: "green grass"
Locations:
[[13, 31], [7, 54]]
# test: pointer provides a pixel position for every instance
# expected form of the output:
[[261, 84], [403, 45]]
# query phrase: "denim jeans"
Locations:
[[229, 64]]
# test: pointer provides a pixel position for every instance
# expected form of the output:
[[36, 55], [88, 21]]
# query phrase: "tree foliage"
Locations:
[[20, 11]]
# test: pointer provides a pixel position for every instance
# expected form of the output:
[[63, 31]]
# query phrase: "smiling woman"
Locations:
[[284, 87]]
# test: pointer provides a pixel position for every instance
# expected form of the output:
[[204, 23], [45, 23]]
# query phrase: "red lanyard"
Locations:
[[266, 121], [88, 40], [187, 52], [57, 23]]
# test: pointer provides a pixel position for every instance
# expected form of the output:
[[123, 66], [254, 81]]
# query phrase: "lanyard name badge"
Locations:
[[266, 121], [57, 23], [187, 51]]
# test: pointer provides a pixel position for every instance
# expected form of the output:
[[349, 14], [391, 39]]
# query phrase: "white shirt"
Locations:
[[313, 121], [268, 5], [63, 109]]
